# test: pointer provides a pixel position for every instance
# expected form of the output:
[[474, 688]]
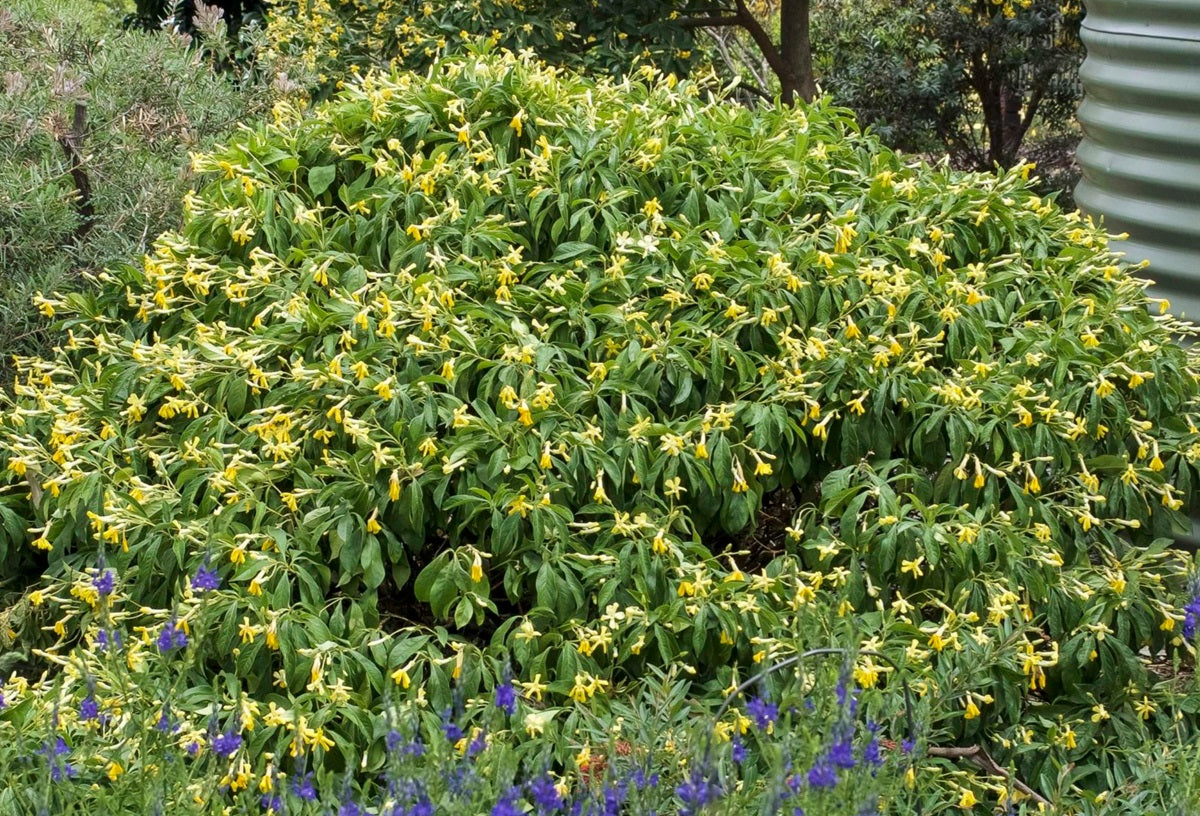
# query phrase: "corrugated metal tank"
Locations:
[[1140, 153]]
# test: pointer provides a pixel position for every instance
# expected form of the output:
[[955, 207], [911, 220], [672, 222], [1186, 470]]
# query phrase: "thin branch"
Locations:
[[977, 755], [722, 43], [757, 67], [755, 91]]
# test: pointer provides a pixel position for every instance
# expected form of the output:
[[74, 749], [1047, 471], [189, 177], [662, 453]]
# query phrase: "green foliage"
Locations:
[[319, 42], [512, 351], [149, 101]]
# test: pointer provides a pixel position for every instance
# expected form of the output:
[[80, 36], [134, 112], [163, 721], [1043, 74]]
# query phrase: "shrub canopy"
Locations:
[[518, 351]]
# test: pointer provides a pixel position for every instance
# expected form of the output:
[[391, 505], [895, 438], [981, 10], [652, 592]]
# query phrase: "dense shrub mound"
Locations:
[[517, 350]]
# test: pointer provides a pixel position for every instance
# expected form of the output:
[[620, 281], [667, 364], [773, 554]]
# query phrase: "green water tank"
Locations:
[[1140, 153]]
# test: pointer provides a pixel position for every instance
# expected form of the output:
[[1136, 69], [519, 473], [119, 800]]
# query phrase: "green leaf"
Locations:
[[319, 178]]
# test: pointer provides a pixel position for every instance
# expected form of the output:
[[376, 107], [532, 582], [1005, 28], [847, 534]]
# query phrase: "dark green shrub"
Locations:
[[970, 79]]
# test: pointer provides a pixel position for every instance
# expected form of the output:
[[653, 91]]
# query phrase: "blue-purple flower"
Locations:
[[302, 787], [89, 709], [872, 754], [545, 794], [822, 774], [171, 637], [763, 712], [1191, 613], [507, 804], [205, 579], [841, 754], [506, 695], [60, 769], [103, 582], [697, 791], [739, 750], [449, 727], [226, 744]]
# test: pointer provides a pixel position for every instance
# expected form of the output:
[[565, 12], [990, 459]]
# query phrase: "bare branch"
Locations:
[[977, 755]]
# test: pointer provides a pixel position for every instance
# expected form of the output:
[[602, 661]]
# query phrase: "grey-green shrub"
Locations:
[[151, 99]]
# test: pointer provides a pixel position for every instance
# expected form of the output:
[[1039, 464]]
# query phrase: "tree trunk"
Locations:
[[796, 50]]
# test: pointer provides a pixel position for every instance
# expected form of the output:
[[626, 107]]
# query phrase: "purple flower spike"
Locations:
[[1191, 617], [303, 788], [698, 791], [226, 744], [545, 795], [103, 582], [449, 727], [872, 755], [763, 712], [478, 744], [822, 775], [507, 804], [172, 637], [205, 579], [506, 696], [739, 750], [88, 709], [841, 754]]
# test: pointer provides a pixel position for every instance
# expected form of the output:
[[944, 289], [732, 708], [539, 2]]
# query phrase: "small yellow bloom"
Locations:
[[248, 631], [535, 687], [373, 525]]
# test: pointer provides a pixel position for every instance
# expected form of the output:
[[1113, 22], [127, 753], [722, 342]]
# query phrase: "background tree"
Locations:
[[967, 78], [790, 59]]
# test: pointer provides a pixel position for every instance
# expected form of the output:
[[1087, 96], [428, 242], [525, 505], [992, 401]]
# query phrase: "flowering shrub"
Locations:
[[508, 349]]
